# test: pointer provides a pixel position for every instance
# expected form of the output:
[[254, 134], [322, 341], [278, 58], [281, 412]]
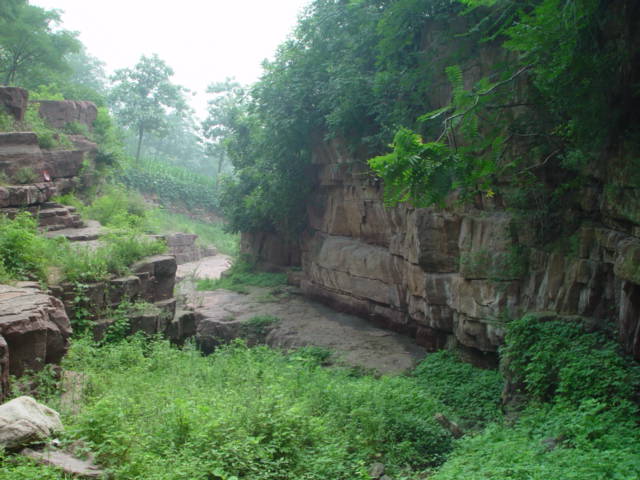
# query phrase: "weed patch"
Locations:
[[240, 276]]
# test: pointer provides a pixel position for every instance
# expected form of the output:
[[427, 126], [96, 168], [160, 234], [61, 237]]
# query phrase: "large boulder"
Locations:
[[24, 421], [34, 325]]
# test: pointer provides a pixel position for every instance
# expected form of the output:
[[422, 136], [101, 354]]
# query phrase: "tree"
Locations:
[[29, 41], [222, 118], [143, 97]]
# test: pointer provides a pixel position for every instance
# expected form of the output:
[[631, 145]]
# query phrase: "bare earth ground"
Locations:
[[302, 322]]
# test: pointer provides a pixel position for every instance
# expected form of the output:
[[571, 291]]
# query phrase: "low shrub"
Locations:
[[25, 175], [471, 395], [558, 360], [118, 252], [22, 249]]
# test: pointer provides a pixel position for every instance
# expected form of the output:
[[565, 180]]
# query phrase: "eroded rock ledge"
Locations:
[[453, 276]]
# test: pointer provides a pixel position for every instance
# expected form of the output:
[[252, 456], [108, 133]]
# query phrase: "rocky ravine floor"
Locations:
[[302, 322]]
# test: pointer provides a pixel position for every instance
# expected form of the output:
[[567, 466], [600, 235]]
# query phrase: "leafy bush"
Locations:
[[22, 249], [558, 360], [519, 453], [25, 175], [471, 395], [118, 207], [241, 275], [118, 252]]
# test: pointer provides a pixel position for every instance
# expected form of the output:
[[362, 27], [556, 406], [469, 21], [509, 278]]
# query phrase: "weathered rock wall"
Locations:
[[455, 275]]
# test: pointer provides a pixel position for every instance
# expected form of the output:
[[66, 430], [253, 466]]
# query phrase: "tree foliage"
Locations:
[[143, 97], [31, 45]]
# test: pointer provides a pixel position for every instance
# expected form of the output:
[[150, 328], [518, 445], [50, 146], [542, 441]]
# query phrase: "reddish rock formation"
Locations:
[[451, 275], [15, 101], [34, 326], [60, 113]]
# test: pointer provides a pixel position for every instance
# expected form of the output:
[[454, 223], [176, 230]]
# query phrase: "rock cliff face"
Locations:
[[455, 275]]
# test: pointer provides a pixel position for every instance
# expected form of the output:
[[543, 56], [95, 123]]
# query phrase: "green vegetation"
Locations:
[[211, 233], [171, 185], [261, 414], [246, 413], [26, 255], [242, 275], [143, 96], [125, 209], [33, 47], [21, 249], [471, 396], [550, 100], [582, 421], [119, 251]]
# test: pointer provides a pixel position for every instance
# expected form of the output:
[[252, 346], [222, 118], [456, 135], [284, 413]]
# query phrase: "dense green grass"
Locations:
[[155, 412], [152, 411], [27, 255], [124, 209]]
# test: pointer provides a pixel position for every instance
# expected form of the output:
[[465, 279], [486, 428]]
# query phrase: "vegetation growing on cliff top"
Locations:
[[556, 93]]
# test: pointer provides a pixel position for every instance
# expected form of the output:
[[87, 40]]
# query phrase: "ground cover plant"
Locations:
[[26, 255], [153, 411], [240, 276], [121, 208]]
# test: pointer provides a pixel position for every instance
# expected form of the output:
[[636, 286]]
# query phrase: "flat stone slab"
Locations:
[[356, 341], [91, 232], [65, 462]]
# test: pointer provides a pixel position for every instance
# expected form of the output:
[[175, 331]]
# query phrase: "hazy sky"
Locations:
[[202, 40]]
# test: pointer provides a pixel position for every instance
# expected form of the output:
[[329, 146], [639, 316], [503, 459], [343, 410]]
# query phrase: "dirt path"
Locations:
[[302, 322]]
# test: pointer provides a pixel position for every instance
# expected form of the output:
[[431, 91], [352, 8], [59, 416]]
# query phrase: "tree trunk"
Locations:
[[140, 134], [220, 162]]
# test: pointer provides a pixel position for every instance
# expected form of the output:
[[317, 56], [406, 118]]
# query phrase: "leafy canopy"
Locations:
[[143, 96], [31, 45]]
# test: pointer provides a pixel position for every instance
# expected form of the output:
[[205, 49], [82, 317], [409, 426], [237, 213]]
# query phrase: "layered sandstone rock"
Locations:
[[455, 274], [34, 326], [60, 113]]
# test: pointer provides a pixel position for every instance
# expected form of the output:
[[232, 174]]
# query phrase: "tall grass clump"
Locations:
[[22, 249]]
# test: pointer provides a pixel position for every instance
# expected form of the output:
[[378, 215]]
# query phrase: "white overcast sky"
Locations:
[[202, 40]]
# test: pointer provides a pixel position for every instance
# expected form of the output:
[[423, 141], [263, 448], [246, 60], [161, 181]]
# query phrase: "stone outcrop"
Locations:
[[24, 421], [65, 462], [60, 113], [34, 326], [452, 276], [15, 101], [20, 151], [184, 247]]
